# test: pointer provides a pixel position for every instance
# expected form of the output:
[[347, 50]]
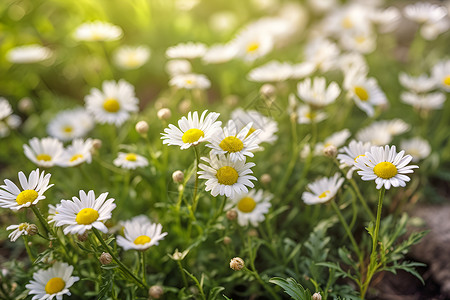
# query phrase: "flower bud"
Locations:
[[178, 176], [316, 296], [227, 240], [26, 105], [330, 151], [184, 106], [141, 127], [32, 229], [231, 214], [83, 237], [265, 178], [96, 144], [155, 291], [164, 114], [267, 90], [253, 232], [237, 264], [105, 258]]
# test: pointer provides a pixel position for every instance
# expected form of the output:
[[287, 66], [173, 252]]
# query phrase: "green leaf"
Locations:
[[292, 288], [214, 292]]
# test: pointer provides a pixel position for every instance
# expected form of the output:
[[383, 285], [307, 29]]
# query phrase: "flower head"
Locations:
[[251, 207], [44, 152], [417, 147], [441, 74], [28, 54], [98, 31], [70, 124], [322, 190], [267, 125], [127, 57], [19, 230], [316, 93], [77, 153], [190, 81], [188, 50], [140, 234], [130, 161], [349, 154]]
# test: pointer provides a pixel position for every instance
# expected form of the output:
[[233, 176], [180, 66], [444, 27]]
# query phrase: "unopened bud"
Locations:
[[266, 178], [32, 229], [105, 258], [253, 233], [96, 144], [316, 296], [267, 90], [330, 151], [164, 114], [231, 214], [141, 127], [155, 291], [184, 106], [26, 105], [30, 244], [83, 237], [237, 264], [178, 176], [227, 240]]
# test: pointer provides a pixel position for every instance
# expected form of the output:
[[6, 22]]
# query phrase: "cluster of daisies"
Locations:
[[225, 169], [75, 216]]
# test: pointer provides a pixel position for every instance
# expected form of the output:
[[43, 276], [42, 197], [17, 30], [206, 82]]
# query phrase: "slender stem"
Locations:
[[117, 260], [42, 221], [142, 254], [183, 276], [27, 247], [197, 161]]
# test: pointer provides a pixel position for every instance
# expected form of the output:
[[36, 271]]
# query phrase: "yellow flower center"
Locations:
[[231, 144], [67, 129], [324, 194], [246, 204], [132, 60], [23, 226], [192, 135], [75, 157], [189, 81], [385, 170], [446, 80], [131, 157], [311, 115], [142, 239], [360, 39], [26, 196], [44, 157], [253, 129], [252, 47], [111, 105], [54, 285], [356, 158], [347, 23], [362, 93], [227, 175], [86, 216]]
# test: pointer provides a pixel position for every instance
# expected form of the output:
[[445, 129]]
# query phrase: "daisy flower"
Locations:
[[430, 31], [52, 211], [193, 130], [381, 132], [301, 70], [236, 144], [130, 161], [28, 54], [306, 115], [424, 12], [420, 84], [272, 71], [219, 53], [347, 19], [83, 213], [385, 166], [127, 57], [113, 104], [5, 108], [44, 152], [316, 93], [226, 177], [70, 124], [178, 66], [252, 44], [424, 101], [349, 154], [362, 41], [441, 74], [353, 62], [140, 235], [19, 230], [322, 53], [337, 139], [387, 19], [53, 282], [77, 153], [190, 81], [98, 31], [32, 191], [268, 126], [322, 190], [188, 50], [417, 147], [251, 207]]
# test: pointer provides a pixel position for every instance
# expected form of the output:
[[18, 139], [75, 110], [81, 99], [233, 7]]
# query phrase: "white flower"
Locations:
[[44, 152], [424, 12], [362, 41], [251, 207], [347, 19], [252, 44], [301, 70], [316, 93], [441, 74], [178, 66], [424, 101], [114, 103], [98, 31], [322, 53], [417, 147], [193, 130], [128, 57], [70, 124], [19, 230], [382, 132], [5, 108], [32, 191], [217, 54], [236, 144], [28, 54], [83, 213], [140, 234], [188, 50], [353, 62], [386, 19], [385, 166], [420, 84], [337, 139], [130, 161], [268, 126], [53, 282], [430, 31], [77, 153], [322, 190], [190, 81], [52, 211], [226, 177], [306, 115], [272, 71], [349, 155]]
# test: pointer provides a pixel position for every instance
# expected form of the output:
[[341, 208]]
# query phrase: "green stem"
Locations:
[[197, 161], [117, 260], [183, 276], [44, 224], [27, 247], [142, 254]]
